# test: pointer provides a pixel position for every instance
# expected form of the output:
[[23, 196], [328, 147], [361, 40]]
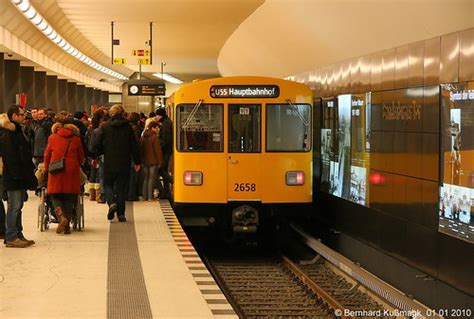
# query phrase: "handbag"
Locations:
[[58, 165]]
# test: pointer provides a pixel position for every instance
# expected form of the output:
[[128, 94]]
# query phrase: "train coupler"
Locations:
[[244, 219]]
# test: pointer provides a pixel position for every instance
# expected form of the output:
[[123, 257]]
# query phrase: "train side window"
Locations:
[[288, 127], [244, 128], [200, 127]]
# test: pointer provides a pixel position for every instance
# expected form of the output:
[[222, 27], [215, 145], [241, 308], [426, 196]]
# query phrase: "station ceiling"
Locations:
[[189, 35]]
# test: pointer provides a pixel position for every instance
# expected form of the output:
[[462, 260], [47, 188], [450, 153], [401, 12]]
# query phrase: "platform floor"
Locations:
[[145, 268]]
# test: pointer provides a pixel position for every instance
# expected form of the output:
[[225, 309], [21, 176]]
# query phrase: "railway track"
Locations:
[[260, 283], [267, 288]]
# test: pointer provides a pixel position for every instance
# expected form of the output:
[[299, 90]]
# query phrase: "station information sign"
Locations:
[[244, 91], [141, 52], [146, 89], [120, 61]]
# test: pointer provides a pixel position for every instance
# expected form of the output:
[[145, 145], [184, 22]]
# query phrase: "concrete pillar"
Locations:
[[72, 97], [81, 98], [52, 97], [96, 97], [105, 98], [12, 82], [89, 98], [62, 95], [27, 85], [40, 89], [2, 83]]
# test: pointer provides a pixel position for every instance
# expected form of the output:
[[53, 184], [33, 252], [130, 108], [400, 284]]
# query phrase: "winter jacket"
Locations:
[[18, 168], [166, 136], [67, 181], [41, 131], [116, 141], [150, 149]]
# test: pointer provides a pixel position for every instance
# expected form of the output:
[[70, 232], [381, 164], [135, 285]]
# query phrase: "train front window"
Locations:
[[200, 127], [244, 128], [288, 127]]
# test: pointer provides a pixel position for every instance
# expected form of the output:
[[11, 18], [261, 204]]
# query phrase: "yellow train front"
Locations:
[[242, 150]]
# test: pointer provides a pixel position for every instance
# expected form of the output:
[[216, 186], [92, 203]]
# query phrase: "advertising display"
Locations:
[[345, 147], [328, 143], [456, 203], [360, 147]]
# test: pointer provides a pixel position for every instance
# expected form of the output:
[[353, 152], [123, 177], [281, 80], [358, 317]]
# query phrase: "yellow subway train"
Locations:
[[242, 150]]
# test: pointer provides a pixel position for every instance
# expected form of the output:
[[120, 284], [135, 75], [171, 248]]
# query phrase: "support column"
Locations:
[[89, 98], [52, 100], [62, 96], [81, 98], [72, 97], [27, 85], [96, 97], [105, 98], [2, 84], [12, 82], [40, 89]]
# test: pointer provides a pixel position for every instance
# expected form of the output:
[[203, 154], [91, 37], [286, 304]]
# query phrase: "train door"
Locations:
[[244, 151]]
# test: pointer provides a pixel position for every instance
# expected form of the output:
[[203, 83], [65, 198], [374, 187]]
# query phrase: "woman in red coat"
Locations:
[[64, 186]]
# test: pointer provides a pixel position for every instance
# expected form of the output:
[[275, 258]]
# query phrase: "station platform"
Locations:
[[144, 268]]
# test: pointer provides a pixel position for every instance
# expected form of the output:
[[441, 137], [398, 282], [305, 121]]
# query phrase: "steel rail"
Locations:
[[320, 292], [382, 289]]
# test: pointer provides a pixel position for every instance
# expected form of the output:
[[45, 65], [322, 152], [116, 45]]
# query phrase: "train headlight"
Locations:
[[192, 178], [294, 178]]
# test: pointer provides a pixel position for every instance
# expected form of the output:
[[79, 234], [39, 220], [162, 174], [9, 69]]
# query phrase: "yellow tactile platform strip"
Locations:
[[211, 292]]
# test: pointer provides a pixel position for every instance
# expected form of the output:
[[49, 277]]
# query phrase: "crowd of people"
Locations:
[[125, 157]]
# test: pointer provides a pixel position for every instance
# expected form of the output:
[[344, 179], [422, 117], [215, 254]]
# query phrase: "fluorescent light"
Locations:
[[23, 5], [38, 21], [30, 13], [169, 78]]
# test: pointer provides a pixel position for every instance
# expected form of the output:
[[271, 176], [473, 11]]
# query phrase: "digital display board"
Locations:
[[146, 89], [244, 91], [456, 202]]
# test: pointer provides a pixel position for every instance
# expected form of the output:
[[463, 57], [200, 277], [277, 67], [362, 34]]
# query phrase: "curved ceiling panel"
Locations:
[[187, 34], [282, 38]]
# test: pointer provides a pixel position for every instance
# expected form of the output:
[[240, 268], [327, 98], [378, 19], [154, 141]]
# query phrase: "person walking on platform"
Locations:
[[40, 134], [64, 186], [166, 141], [116, 140], [150, 151], [18, 174]]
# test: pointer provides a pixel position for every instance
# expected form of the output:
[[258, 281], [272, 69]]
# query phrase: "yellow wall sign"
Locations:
[[120, 61], [144, 61], [140, 52]]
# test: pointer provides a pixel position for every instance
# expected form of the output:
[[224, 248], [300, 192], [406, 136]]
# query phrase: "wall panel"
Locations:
[[416, 54], [401, 67], [449, 58], [466, 56], [388, 69]]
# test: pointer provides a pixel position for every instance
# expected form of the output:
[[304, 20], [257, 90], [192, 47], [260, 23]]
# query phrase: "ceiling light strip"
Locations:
[[168, 77], [27, 9]]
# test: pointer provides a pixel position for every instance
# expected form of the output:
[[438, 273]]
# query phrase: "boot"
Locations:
[[92, 194], [67, 229], [97, 192], [62, 219]]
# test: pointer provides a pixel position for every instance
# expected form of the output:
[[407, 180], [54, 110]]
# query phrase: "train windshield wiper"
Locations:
[[191, 115], [302, 119]]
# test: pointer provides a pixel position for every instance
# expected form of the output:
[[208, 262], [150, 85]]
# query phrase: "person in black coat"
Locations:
[[18, 173], [166, 140], [116, 141]]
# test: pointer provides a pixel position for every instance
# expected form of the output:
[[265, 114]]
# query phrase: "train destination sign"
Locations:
[[146, 89], [244, 91]]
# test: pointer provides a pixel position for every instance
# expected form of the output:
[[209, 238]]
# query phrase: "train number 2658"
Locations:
[[245, 187]]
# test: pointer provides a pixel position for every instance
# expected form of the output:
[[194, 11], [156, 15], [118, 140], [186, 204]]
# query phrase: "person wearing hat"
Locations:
[[166, 141]]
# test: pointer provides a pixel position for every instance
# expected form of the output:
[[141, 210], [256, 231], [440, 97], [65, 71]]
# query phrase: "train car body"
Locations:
[[242, 147]]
